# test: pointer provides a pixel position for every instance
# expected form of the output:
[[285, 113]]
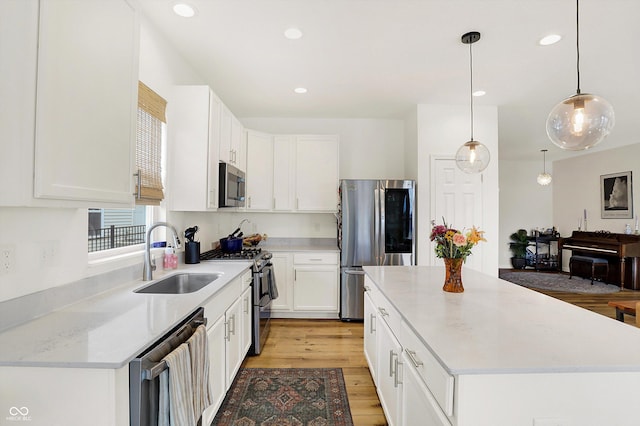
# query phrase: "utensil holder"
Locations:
[[192, 252]]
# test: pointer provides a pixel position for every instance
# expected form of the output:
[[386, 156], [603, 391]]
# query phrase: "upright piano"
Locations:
[[619, 249]]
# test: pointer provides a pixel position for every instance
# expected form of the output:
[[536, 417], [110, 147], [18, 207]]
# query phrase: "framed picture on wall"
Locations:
[[616, 196]]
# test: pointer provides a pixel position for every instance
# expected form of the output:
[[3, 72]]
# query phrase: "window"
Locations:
[[115, 228]]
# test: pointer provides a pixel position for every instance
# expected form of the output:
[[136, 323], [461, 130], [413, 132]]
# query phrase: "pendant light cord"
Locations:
[[578, 44], [471, 86]]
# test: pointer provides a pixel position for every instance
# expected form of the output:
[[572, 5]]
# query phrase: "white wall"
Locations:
[[577, 187], [442, 129], [523, 203]]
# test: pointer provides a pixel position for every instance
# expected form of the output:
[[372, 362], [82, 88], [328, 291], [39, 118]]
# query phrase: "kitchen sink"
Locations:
[[179, 284]]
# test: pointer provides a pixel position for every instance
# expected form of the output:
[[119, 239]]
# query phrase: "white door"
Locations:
[[456, 196]]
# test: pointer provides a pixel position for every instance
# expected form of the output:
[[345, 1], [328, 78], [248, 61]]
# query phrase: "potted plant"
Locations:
[[518, 247]]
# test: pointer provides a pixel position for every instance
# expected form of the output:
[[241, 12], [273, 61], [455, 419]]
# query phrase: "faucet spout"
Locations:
[[149, 264]]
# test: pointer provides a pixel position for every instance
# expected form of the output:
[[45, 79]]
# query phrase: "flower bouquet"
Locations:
[[454, 246]]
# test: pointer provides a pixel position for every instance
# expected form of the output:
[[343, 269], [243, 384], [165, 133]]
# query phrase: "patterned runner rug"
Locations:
[[286, 397], [557, 282]]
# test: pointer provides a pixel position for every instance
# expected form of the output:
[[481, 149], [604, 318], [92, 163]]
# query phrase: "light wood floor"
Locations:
[[332, 344]]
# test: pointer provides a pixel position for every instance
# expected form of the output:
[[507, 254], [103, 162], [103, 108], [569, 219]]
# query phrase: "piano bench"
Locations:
[[593, 262]]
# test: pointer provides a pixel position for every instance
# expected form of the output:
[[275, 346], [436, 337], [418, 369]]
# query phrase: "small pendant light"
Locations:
[[544, 178], [582, 120], [472, 157]]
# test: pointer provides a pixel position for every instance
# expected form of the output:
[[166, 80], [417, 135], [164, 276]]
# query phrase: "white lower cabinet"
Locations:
[[217, 366], [370, 347], [64, 396], [307, 285], [414, 389], [246, 320], [417, 401], [389, 372], [315, 289], [228, 316], [283, 268]]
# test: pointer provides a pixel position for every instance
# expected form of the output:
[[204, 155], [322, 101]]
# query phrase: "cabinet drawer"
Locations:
[[315, 258], [439, 382], [383, 308]]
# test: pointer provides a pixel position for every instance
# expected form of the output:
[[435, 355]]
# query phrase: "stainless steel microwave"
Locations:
[[232, 186]]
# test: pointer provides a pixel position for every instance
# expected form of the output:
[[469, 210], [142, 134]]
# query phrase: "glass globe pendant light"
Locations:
[[544, 178], [472, 157], [582, 120]]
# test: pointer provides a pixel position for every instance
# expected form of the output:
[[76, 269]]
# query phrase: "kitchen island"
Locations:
[[497, 354]]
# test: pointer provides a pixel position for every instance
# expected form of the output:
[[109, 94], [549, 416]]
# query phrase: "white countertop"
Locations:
[[111, 328], [499, 327]]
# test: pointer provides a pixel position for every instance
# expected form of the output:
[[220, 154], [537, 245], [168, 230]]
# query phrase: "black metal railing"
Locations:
[[116, 236]]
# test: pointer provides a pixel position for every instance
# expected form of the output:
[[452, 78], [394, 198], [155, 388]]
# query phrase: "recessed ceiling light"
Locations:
[[479, 93], [293, 33], [183, 9], [550, 39], [300, 90]]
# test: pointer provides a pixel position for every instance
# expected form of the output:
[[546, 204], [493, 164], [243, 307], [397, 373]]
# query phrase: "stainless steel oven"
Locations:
[[264, 292], [263, 286]]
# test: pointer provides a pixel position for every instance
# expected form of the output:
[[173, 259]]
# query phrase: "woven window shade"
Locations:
[[151, 115]]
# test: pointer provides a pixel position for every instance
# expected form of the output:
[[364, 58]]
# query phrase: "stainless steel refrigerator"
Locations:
[[376, 226]]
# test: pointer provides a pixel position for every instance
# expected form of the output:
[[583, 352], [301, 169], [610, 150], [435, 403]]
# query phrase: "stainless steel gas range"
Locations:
[[264, 289]]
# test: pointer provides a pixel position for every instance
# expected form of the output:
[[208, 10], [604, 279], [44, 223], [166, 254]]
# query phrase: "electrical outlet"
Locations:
[[7, 259], [49, 253]]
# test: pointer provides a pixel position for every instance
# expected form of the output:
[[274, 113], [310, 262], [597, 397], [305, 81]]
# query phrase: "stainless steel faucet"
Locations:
[[149, 263]]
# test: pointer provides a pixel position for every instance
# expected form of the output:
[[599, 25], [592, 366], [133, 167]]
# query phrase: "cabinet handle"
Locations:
[[391, 357], [396, 378], [372, 325], [246, 305], [315, 259], [383, 312], [138, 193], [249, 202], [232, 328], [412, 356], [227, 335]]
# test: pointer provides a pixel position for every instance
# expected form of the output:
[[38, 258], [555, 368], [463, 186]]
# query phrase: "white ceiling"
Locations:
[[380, 58]]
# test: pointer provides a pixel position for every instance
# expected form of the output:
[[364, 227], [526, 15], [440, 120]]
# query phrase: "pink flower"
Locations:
[[459, 240]]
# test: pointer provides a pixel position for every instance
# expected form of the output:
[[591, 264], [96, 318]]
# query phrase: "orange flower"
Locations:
[[475, 236]]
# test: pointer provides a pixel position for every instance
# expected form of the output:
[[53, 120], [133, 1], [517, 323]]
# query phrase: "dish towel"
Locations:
[[175, 407], [273, 289], [199, 351]]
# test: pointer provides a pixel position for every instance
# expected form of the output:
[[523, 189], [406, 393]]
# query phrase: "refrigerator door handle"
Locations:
[[381, 230], [377, 213]]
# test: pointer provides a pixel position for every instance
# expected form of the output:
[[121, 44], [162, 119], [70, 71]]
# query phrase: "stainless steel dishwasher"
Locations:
[[145, 369]]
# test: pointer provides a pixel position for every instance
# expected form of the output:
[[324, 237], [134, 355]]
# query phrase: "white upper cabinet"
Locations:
[[194, 115], [86, 100], [284, 152], [76, 132], [232, 140], [259, 195], [304, 172], [317, 173]]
